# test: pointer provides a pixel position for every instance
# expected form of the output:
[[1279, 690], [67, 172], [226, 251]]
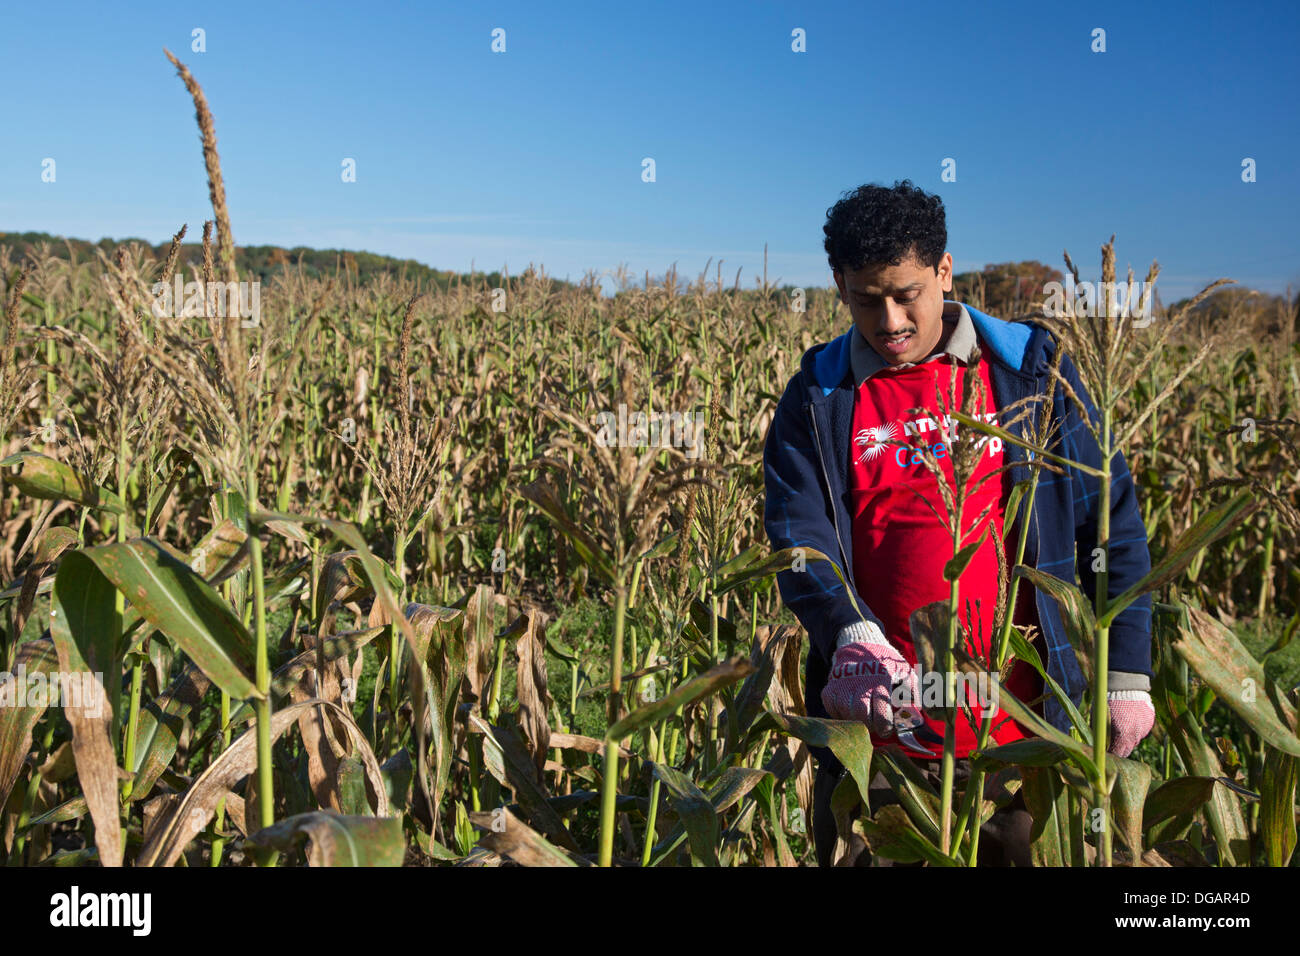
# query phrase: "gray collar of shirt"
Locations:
[[866, 361]]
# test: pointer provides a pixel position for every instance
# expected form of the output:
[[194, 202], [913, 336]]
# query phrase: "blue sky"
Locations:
[[535, 154]]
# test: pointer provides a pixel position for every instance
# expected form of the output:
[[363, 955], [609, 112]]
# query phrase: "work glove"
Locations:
[[1132, 715], [864, 669]]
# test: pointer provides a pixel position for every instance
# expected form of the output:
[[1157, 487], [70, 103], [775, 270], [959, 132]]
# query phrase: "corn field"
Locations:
[[366, 581]]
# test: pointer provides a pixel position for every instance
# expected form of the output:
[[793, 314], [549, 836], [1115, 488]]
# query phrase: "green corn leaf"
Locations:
[[591, 553], [160, 724], [1128, 798], [740, 562], [1277, 807], [178, 602], [39, 476], [17, 719], [1025, 651], [338, 840], [507, 758], [1076, 613], [1018, 491], [779, 561], [919, 801], [84, 626], [710, 682], [1227, 822], [729, 786], [220, 552], [957, 563], [848, 740], [1169, 808], [1080, 753], [1213, 651], [1047, 801], [892, 835], [697, 814], [768, 797], [1011, 439], [73, 809], [1029, 752], [1212, 525]]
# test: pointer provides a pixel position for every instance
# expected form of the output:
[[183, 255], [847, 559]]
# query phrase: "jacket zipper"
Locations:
[[835, 514]]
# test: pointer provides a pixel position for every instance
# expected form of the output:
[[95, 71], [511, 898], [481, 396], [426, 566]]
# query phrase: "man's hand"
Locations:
[[864, 670], [1132, 716]]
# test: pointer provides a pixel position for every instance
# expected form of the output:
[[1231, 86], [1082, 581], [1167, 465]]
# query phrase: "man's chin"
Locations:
[[889, 358]]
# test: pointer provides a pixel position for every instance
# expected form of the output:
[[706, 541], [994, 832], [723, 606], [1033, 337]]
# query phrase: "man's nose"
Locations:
[[894, 319]]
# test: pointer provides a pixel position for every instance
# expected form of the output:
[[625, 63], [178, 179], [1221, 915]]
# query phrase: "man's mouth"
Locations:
[[897, 344]]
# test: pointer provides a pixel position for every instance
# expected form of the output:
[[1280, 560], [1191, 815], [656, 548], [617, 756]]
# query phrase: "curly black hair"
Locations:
[[877, 226]]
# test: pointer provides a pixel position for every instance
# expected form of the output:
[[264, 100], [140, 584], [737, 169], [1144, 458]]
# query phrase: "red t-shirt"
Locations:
[[900, 546]]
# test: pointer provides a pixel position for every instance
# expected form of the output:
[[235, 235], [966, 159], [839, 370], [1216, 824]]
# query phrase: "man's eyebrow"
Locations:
[[905, 288]]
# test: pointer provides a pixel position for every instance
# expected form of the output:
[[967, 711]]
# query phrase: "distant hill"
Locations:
[[1006, 288], [264, 261], [1011, 289]]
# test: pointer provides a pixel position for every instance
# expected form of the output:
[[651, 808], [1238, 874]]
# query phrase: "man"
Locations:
[[843, 476]]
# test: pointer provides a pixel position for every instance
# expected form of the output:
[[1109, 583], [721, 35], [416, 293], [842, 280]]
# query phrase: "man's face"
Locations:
[[898, 309]]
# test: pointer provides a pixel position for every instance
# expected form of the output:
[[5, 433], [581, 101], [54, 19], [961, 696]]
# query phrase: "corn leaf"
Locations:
[[1076, 613], [40, 476], [1169, 808], [17, 719], [178, 602], [1213, 651], [1047, 801], [338, 840], [710, 682], [696, 813], [1212, 525], [848, 740], [507, 835], [84, 627], [892, 835], [1277, 807], [185, 815]]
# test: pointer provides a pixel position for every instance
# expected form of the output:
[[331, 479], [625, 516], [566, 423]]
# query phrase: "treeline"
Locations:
[[1004, 289], [261, 261]]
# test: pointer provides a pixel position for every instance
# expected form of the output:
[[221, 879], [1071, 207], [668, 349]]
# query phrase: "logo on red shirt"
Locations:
[[874, 440]]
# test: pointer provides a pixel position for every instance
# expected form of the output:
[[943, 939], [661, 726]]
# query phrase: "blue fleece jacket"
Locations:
[[806, 461]]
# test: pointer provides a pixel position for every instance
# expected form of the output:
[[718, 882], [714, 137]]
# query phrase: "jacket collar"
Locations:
[[829, 365], [866, 361]]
